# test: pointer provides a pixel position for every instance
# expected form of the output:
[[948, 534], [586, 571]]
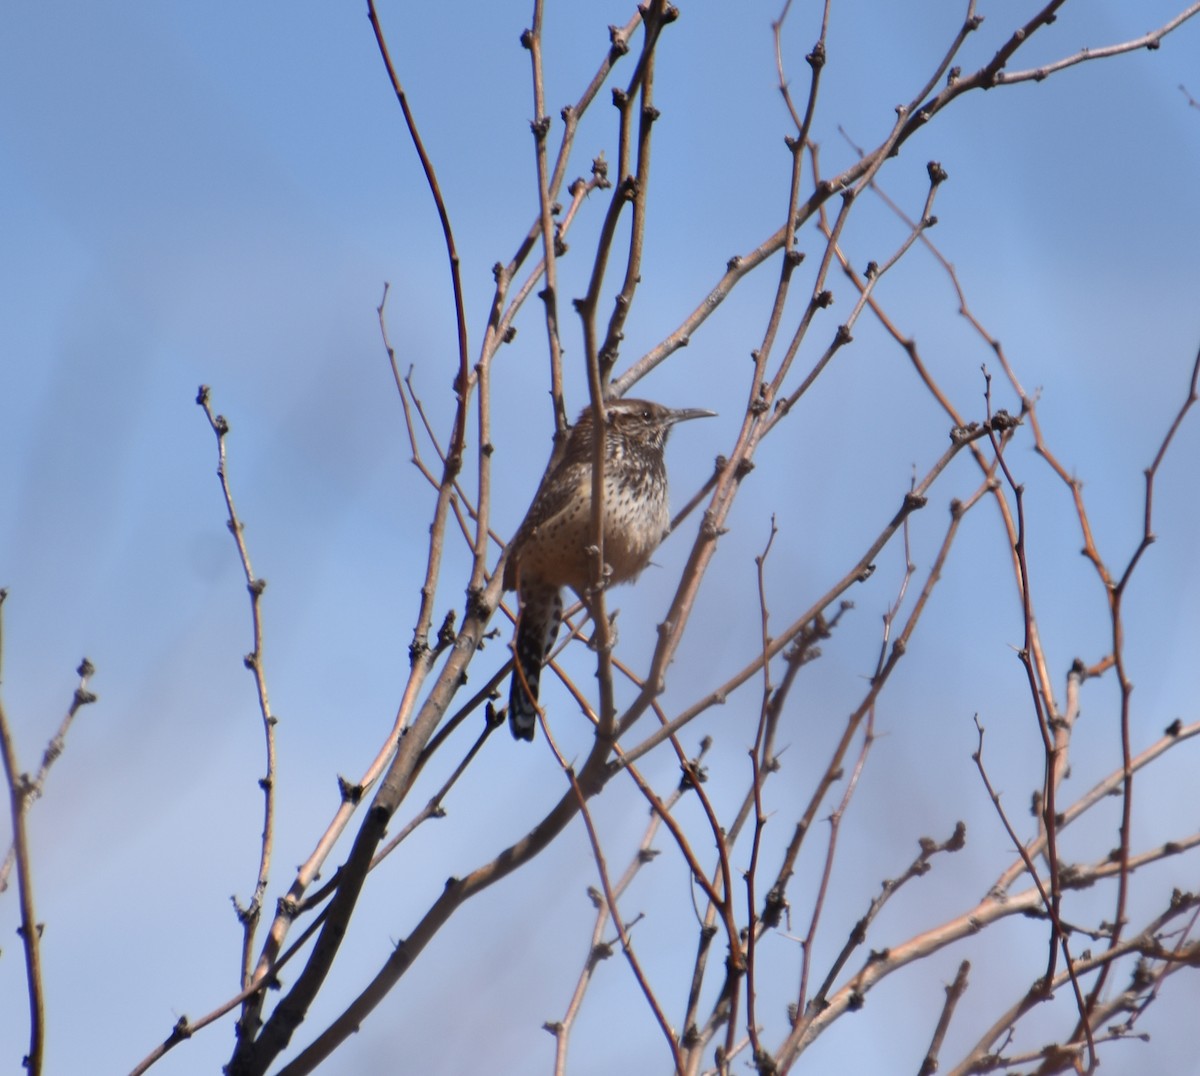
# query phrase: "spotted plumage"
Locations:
[[550, 549]]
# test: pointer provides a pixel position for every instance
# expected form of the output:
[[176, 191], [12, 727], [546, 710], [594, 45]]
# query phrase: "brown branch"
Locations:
[[1124, 684], [808, 942], [184, 1029], [995, 906], [1050, 901], [862, 570], [610, 900], [435, 190], [914, 115], [981, 1059], [30, 929], [254, 1055], [816, 63], [598, 949], [655, 16], [835, 820], [36, 784], [819, 1003], [249, 915], [954, 993], [532, 40], [758, 766], [1151, 41]]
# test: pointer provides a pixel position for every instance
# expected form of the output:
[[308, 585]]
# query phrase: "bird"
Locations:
[[554, 545]]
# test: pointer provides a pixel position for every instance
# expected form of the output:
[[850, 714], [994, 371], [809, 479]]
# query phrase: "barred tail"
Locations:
[[537, 628]]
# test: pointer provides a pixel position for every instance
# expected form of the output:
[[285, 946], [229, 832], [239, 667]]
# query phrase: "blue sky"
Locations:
[[217, 193]]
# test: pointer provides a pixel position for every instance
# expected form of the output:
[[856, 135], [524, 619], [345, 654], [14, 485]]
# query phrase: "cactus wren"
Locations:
[[551, 547]]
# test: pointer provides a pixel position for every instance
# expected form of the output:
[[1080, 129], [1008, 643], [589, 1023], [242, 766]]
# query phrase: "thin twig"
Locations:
[[82, 697], [30, 929], [250, 914], [610, 902], [954, 992]]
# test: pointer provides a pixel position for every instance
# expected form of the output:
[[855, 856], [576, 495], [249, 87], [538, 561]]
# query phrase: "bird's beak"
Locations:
[[684, 413]]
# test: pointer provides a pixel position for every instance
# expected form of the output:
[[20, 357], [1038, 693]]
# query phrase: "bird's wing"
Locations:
[[559, 494]]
